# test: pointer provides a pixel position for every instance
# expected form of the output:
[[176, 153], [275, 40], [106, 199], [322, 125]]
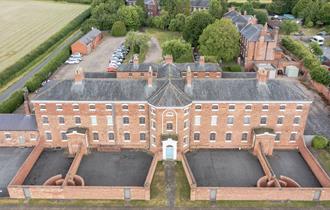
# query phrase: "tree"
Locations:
[[308, 10], [118, 29], [281, 6], [215, 9], [130, 16], [289, 26], [136, 41], [195, 25], [248, 8], [177, 24], [220, 39], [325, 13], [261, 15], [173, 7], [178, 48], [316, 49]]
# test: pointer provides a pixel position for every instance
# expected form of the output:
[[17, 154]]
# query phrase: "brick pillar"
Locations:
[[168, 59], [201, 60], [262, 75], [78, 75], [189, 77], [150, 78], [136, 59]]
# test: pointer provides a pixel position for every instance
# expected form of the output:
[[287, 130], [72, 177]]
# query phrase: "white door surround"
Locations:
[[169, 143]]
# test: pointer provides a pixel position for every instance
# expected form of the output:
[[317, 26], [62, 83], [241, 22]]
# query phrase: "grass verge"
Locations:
[[162, 36]]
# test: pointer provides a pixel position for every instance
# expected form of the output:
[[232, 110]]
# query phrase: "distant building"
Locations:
[[258, 43], [150, 5], [198, 5], [88, 42]]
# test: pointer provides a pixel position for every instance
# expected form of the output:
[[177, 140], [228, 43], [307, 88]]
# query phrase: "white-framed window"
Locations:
[[61, 120], [153, 124], [45, 120], [92, 107], [77, 120], [142, 120], [111, 136], [299, 107], [169, 126], [214, 120], [153, 141], [109, 120], [186, 111], [230, 120], [48, 135], [263, 120], [231, 107], [280, 120], [96, 136], [282, 107], [75, 107], [228, 137], [125, 120], [215, 107], [141, 107], [185, 141], [142, 136], [93, 120], [42, 107], [197, 136], [296, 120], [213, 136], [108, 107], [153, 111], [198, 107], [277, 136], [246, 120], [8, 136], [197, 120], [127, 136], [293, 137], [33, 137], [59, 107], [124, 107], [265, 107], [248, 107], [244, 137], [185, 124], [64, 137]]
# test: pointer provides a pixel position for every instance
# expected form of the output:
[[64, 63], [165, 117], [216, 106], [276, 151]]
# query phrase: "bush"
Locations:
[[232, 68], [35, 82], [118, 29], [179, 49], [13, 102], [319, 142], [211, 59], [17, 68]]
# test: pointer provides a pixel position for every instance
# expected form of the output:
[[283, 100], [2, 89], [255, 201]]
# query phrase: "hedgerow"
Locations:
[[13, 102]]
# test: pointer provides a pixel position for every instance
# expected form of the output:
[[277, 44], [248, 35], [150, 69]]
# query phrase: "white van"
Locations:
[[318, 39]]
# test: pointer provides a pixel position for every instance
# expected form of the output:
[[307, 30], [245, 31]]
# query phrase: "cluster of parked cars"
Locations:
[[118, 56], [74, 59]]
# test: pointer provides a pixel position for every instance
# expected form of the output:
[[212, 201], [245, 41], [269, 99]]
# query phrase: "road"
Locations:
[[19, 84]]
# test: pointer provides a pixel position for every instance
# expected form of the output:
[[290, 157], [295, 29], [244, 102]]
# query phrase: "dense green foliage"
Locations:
[[35, 82], [162, 21], [18, 68], [132, 16], [215, 8], [281, 6], [319, 142], [248, 8], [118, 29], [261, 15], [138, 43], [174, 7], [12, 103], [179, 49], [317, 72], [232, 68], [316, 49], [178, 23], [325, 13], [77, 1], [195, 24], [289, 26], [219, 36]]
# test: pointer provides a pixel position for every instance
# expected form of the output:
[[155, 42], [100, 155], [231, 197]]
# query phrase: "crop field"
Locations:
[[25, 24]]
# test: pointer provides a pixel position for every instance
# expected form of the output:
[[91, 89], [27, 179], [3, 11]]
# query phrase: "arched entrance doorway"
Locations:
[[169, 149]]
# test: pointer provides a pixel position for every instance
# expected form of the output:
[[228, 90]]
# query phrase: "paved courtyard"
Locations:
[[125, 168], [290, 163], [224, 168], [50, 163], [11, 160]]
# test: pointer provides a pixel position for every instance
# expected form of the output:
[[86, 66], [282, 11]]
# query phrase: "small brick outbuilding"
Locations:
[[88, 42]]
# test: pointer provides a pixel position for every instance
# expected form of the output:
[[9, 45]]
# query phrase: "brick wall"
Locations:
[[28, 138], [321, 89]]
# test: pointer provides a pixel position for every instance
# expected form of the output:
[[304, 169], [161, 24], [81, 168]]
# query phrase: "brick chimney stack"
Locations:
[[27, 108], [201, 60], [189, 77], [253, 20], [150, 77], [262, 75], [245, 13], [168, 59], [136, 59], [78, 75]]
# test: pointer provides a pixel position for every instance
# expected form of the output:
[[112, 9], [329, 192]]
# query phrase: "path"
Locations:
[[154, 54], [170, 182], [19, 84]]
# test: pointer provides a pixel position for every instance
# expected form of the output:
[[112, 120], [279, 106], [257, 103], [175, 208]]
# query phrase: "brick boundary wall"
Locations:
[[321, 89]]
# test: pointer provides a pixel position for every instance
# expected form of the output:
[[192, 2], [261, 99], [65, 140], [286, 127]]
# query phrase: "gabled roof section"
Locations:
[[90, 36], [169, 71], [170, 94], [18, 122], [251, 32], [199, 3]]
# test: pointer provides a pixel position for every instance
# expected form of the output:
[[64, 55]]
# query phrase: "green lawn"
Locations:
[[162, 36], [323, 157]]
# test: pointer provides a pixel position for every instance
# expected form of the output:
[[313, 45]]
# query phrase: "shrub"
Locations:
[[13, 102], [118, 29], [232, 68], [179, 49], [17, 68], [211, 59], [319, 142]]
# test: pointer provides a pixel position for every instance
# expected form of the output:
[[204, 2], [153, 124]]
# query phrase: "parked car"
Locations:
[[318, 39], [75, 59], [76, 55], [72, 61], [322, 33]]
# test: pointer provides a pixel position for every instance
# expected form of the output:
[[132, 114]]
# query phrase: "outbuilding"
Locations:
[[87, 43]]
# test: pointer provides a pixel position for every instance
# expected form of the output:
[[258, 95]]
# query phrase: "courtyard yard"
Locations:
[[26, 24]]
